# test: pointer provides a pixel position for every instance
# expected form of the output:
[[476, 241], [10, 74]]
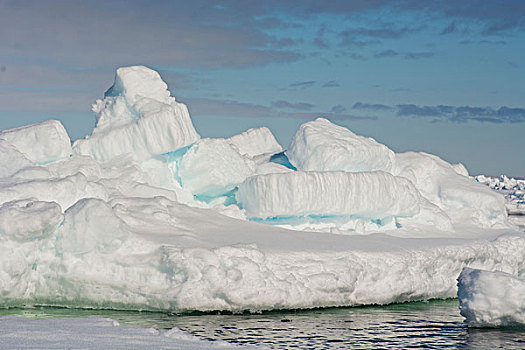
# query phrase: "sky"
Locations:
[[443, 76]]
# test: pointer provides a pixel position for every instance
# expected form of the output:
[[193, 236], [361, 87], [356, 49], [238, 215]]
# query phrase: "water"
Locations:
[[432, 325]]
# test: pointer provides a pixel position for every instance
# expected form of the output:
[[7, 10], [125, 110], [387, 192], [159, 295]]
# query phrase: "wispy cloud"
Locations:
[[331, 83], [302, 84], [385, 53], [418, 55], [463, 114], [369, 106], [301, 106]]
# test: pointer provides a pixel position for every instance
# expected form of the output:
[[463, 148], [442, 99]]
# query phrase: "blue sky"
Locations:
[[446, 77]]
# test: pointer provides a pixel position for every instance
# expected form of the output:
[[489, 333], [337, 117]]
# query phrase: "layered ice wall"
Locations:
[[373, 195], [491, 299], [138, 117]]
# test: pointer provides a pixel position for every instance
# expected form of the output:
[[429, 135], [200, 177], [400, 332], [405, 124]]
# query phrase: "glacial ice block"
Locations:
[[256, 141], [320, 145], [373, 195], [137, 116], [463, 199], [489, 299], [41, 143]]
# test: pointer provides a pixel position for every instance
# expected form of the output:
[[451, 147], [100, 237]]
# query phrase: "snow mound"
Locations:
[[462, 199], [256, 141], [374, 195], [41, 143], [491, 299], [139, 117], [320, 145]]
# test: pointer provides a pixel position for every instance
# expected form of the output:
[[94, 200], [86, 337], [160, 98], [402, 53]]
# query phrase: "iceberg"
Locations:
[[491, 298], [138, 117], [144, 214]]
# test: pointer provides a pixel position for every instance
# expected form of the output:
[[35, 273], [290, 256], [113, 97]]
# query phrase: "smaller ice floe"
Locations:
[[320, 145], [491, 299], [41, 143], [137, 116]]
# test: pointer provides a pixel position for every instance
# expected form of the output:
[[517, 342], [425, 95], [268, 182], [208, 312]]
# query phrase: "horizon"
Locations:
[[439, 77]]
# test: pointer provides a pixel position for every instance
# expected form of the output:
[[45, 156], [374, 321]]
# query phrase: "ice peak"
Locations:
[[135, 82]]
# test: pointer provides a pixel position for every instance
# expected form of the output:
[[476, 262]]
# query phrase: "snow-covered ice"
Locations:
[[95, 333], [491, 298], [144, 214]]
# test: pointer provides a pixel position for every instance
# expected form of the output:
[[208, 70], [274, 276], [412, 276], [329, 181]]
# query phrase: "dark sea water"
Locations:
[[431, 325]]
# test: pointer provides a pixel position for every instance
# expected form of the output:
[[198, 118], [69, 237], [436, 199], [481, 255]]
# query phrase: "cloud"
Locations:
[[385, 53], [302, 84], [301, 106], [331, 83], [374, 107], [338, 109], [229, 108], [329, 115], [451, 28], [183, 34], [226, 108], [463, 114], [418, 55]]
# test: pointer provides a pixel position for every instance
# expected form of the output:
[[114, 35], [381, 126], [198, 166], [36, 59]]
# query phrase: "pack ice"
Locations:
[[145, 214]]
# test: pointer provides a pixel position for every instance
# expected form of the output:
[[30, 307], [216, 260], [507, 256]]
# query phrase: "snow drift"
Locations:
[[143, 214]]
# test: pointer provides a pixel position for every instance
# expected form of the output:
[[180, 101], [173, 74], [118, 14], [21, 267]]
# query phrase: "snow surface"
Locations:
[[95, 333], [146, 215], [491, 299], [139, 117]]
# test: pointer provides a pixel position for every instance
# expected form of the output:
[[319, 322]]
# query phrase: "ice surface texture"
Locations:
[[144, 214], [491, 299]]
